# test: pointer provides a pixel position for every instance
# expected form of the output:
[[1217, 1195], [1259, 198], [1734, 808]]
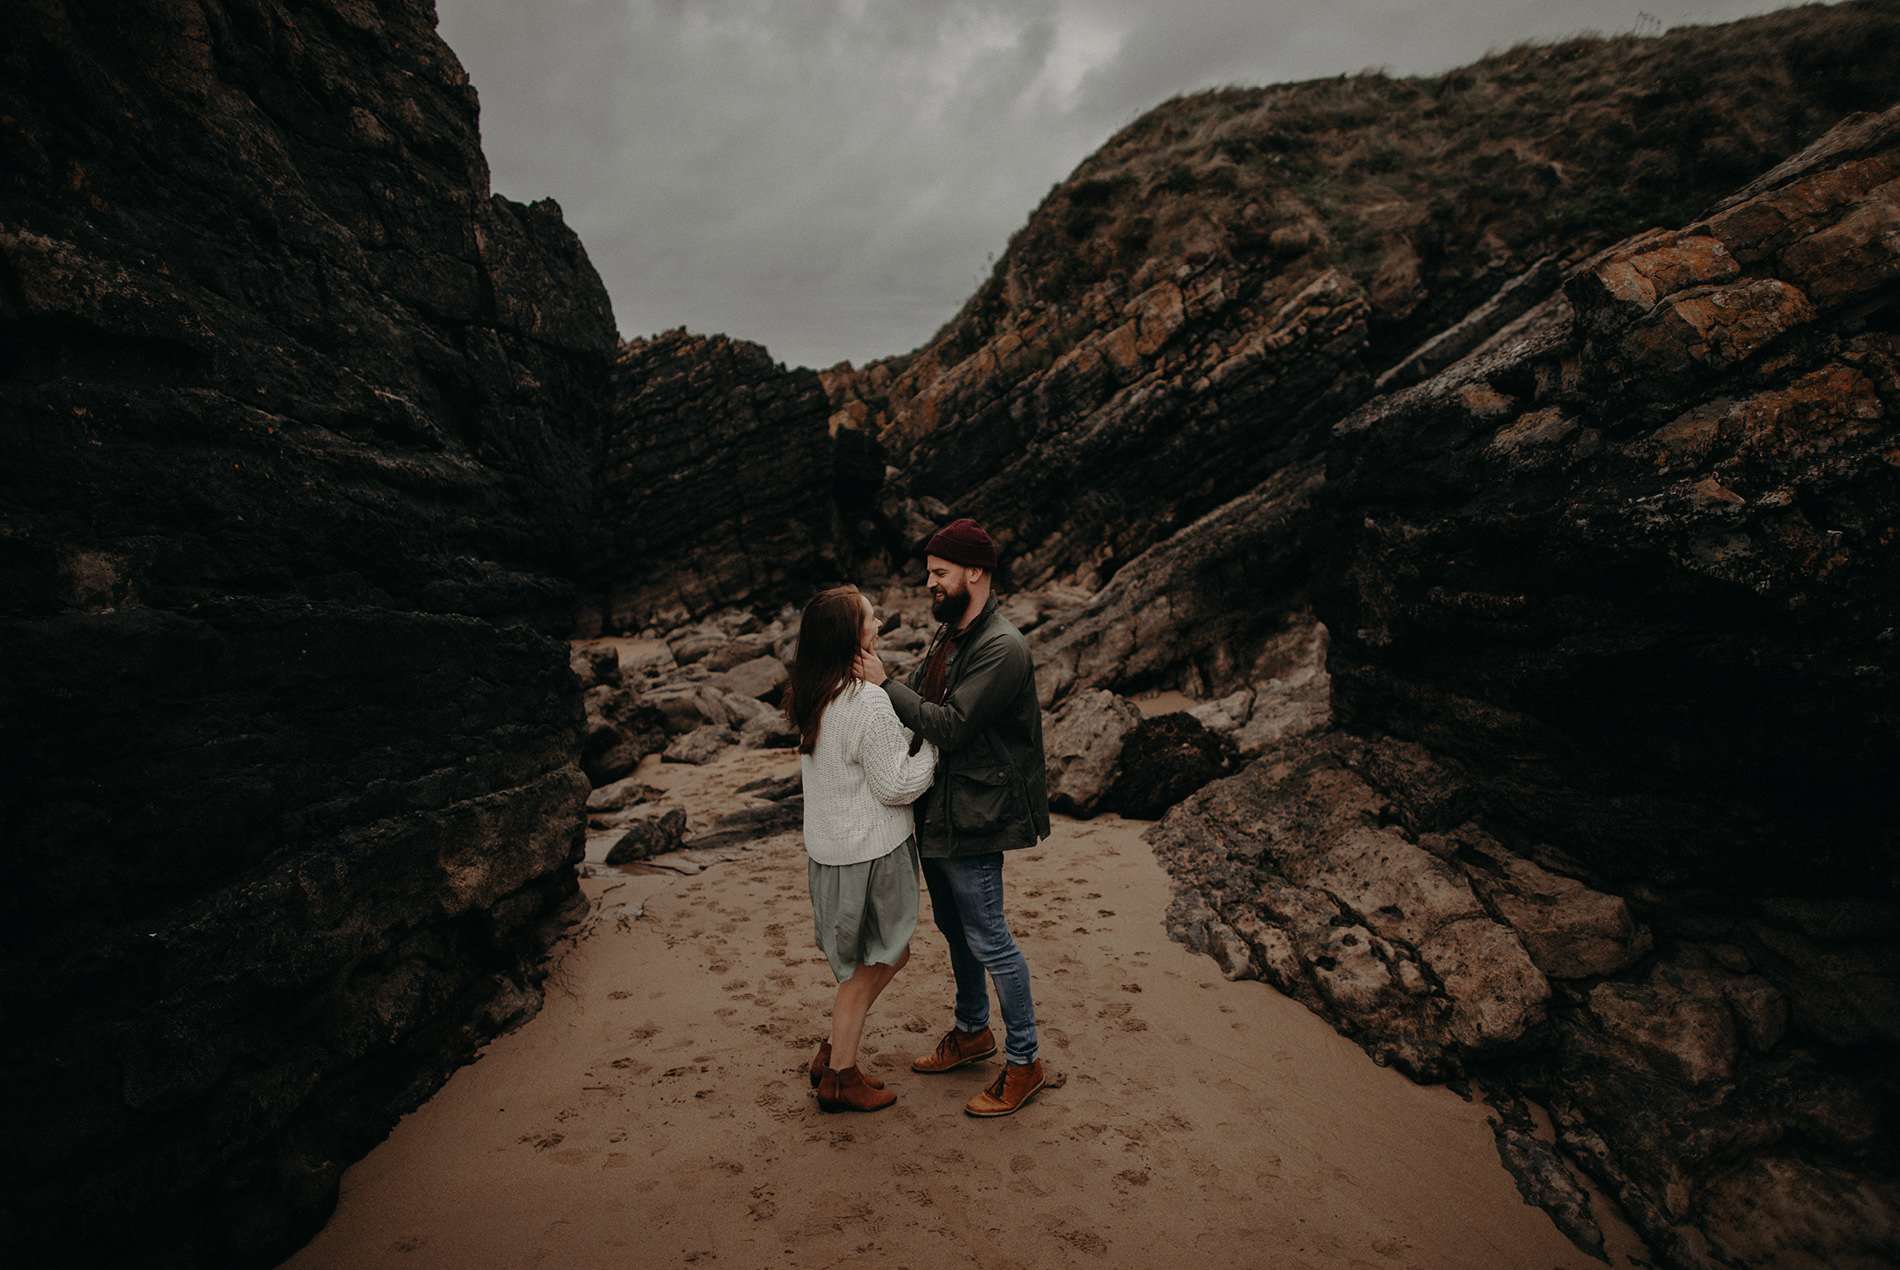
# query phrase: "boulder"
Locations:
[[1163, 760], [738, 652], [618, 796], [644, 839], [621, 730], [761, 678], [595, 664], [1082, 743], [701, 745], [1298, 880], [768, 731]]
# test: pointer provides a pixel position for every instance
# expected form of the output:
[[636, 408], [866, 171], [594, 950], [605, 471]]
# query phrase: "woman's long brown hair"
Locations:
[[828, 643]]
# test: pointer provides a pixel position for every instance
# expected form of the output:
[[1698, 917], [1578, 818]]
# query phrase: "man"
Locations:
[[974, 696]]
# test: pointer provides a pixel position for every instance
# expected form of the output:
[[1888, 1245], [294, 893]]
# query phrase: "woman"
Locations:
[[860, 779]]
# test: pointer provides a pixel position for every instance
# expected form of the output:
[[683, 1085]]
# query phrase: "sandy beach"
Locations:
[[657, 1113]]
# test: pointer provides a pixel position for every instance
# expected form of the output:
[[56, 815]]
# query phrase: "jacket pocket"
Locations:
[[982, 800]]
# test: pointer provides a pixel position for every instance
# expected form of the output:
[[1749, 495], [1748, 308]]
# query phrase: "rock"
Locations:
[[651, 661], [1193, 604], [1296, 697], [1513, 300], [621, 730], [1538, 1169], [595, 665], [717, 489], [1346, 915], [762, 678], [753, 824], [768, 731], [695, 644], [1760, 1010], [644, 839], [1191, 923], [1082, 743], [300, 422], [685, 706], [1569, 930], [701, 745], [1163, 760], [738, 652], [1787, 1210], [1225, 716], [620, 795]]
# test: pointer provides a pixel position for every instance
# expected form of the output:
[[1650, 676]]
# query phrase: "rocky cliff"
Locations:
[[299, 428], [1603, 819], [719, 485], [1189, 311], [1545, 560]]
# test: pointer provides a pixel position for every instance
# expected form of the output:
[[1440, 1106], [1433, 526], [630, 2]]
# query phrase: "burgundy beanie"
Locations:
[[963, 542]]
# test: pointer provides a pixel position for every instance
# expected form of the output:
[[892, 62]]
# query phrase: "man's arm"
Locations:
[[987, 687]]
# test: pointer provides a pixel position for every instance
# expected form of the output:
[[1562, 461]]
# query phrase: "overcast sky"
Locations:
[[832, 178]]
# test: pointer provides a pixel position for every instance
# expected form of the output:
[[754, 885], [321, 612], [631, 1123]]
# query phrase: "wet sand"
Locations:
[[657, 1112]]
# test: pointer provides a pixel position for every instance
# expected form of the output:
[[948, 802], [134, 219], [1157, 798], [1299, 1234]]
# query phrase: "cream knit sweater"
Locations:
[[861, 779]]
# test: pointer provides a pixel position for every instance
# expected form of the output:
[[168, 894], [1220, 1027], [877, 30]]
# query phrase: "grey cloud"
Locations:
[[831, 177]]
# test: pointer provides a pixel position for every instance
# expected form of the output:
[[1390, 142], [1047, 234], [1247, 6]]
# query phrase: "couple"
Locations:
[[963, 739]]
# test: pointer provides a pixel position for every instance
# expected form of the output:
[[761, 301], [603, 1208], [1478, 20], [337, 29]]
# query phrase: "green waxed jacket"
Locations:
[[991, 793]]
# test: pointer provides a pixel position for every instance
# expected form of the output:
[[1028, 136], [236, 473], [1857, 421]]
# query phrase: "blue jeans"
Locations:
[[966, 898]]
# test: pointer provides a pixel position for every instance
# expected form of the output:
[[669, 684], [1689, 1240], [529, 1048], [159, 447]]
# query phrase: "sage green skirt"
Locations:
[[865, 912]]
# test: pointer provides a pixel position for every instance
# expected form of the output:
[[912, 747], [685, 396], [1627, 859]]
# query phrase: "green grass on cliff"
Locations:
[[1429, 189]]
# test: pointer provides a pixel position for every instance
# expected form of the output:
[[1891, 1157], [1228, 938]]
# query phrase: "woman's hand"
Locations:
[[869, 668]]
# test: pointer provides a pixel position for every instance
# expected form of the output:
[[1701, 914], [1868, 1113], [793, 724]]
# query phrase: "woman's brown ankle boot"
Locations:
[[822, 1060], [848, 1091]]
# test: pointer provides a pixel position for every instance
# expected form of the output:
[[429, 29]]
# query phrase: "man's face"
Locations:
[[949, 586]]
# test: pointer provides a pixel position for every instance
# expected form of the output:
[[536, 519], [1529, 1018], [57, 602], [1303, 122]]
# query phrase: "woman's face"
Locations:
[[867, 632]]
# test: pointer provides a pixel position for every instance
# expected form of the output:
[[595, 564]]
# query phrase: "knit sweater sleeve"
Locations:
[[896, 776]]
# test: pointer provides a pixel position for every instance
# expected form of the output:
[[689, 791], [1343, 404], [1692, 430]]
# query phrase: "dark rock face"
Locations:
[[299, 425], [1625, 570], [1612, 606], [717, 487]]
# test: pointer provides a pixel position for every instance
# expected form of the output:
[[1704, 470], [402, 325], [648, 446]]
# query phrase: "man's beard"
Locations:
[[952, 606]]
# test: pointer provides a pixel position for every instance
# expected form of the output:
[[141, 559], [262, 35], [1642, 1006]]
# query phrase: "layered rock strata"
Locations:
[[1612, 608], [1189, 312], [719, 485], [299, 428]]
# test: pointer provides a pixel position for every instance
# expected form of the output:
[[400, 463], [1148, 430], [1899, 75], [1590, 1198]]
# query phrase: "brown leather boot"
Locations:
[[1016, 1086], [822, 1060], [847, 1091], [954, 1050]]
